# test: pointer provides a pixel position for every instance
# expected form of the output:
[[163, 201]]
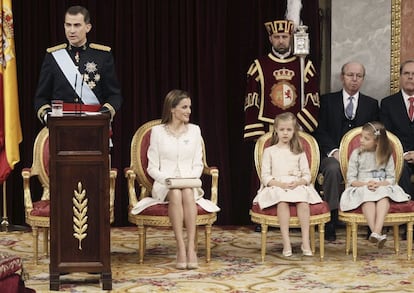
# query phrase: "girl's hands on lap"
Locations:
[[373, 185]]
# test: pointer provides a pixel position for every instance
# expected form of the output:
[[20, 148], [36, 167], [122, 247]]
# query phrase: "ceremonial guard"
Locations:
[[274, 85], [79, 73]]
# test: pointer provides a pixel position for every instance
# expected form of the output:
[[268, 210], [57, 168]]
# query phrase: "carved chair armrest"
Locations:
[[113, 173], [214, 173], [131, 176], [28, 204]]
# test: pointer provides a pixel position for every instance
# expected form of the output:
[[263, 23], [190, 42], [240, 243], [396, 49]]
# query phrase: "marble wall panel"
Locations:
[[361, 31]]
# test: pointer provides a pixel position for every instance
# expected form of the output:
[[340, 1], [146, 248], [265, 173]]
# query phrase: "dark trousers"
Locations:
[[333, 182]]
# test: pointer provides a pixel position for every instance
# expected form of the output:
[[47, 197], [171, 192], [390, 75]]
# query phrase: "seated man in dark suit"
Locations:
[[397, 114], [339, 112]]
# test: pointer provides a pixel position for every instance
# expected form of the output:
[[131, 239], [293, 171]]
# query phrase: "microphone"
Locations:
[[80, 98], [76, 99]]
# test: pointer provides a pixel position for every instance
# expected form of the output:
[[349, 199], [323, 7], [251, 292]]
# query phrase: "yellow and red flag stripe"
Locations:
[[10, 127]]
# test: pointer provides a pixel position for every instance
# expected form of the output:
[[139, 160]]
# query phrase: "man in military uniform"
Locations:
[[274, 85], [79, 73]]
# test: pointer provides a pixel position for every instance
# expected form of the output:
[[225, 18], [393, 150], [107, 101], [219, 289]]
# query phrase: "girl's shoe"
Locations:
[[181, 265], [306, 252], [374, 237], [381, 240], [287, 253], [192, 265]]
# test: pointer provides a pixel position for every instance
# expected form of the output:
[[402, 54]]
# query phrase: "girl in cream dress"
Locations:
[[370, 181], [285, 180]]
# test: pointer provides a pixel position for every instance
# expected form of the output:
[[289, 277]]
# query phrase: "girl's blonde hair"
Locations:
[[384, 147], [295, 144]]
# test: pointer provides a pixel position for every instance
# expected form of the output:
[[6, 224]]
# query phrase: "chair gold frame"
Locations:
[[136, 174], [39, 170], [266, 220], [353, 219]]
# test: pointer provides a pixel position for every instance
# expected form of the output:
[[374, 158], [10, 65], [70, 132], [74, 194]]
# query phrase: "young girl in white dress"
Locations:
[[285, 180], [370, 180]]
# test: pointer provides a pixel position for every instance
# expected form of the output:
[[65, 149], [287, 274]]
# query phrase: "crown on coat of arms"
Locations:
[[283, 74], [279, 26]]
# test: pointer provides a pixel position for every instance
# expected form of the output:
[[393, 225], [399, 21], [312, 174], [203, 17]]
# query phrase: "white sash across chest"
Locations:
[[74, 77]]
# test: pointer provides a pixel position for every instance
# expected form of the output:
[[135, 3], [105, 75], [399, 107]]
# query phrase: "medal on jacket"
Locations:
[[91, 68]]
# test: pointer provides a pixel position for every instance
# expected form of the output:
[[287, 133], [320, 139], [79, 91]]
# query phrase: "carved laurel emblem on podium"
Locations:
[[80, 218]]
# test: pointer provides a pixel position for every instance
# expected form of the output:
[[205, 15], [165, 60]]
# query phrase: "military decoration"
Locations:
[[91, 76]]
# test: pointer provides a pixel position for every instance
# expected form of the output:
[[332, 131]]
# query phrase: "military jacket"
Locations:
[[96, 65]]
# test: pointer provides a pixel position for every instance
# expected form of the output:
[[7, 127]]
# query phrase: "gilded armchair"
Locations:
[[140, 185], [320, 213], [398, 214]]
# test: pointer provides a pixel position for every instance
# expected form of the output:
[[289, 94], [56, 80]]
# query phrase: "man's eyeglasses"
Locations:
[[357, 75], [408, 74]]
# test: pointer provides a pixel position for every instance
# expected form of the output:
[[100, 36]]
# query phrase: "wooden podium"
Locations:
[[79, 193]]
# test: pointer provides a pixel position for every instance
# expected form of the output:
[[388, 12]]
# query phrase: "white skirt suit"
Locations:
[[170, 156]]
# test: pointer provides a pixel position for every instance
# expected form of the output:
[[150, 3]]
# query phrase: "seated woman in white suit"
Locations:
[[176, 151]]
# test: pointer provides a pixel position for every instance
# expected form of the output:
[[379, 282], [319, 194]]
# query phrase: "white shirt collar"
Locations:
[[345, 97], [281, 56], [406, 97]]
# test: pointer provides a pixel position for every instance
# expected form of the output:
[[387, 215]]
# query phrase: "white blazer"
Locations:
[[170, 156]]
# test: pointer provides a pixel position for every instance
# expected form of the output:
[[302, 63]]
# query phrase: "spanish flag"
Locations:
[[10, 128]]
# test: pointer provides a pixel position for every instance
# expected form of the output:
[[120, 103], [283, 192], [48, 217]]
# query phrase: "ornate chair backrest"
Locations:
[[139, 159], [310, 147], [351, 140], [40, 166]]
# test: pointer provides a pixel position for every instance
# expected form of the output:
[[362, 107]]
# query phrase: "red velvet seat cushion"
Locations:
[[41, 208], [9, 265], [315, 209], [395, 207], [162, 210]]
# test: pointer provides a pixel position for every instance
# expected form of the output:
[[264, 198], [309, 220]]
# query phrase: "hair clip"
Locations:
[[376, 131]]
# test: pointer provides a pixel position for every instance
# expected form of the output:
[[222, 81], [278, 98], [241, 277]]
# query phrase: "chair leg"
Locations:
[[208, 243], [354, 241], [409, 239], [141, 243], [348, 239], [312, 238], [396, 234], [196, 239], [35, 234], [264, 236], [145, 239], [322, 241], [46, 241]]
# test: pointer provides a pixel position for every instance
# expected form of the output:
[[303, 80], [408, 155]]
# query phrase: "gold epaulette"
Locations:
[[55, 48], [100, 47]]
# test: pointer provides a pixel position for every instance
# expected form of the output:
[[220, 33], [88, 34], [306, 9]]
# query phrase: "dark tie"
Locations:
[[411, 108], [349, 110]]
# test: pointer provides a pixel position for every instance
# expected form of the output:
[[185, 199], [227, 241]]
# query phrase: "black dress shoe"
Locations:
[[258, 228]]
